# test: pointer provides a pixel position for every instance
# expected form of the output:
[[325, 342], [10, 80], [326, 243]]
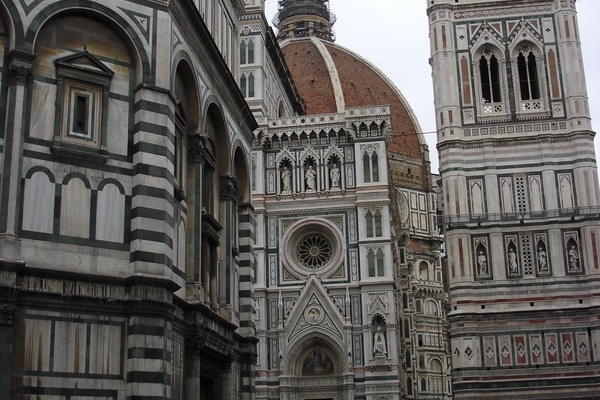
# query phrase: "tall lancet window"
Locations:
[[490, 77], [528, 75]]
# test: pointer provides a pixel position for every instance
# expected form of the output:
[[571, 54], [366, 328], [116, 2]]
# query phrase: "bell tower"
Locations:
[[302, 18], [521, 198]]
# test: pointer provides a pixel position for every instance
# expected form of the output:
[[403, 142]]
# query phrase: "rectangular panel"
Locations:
[[583, 347], [552, 348], [274, 353], [566, 343], [505, 345], [271, 182], [357, 349], [105, 340], [520, 342], [356, 314], [423, 222], [490, 353], [354, 265], [270, 160], [536, 352], [272, 269], [413, 201], [422, 205], [352, 226], [350, 182], [33, 345], [273, 316]]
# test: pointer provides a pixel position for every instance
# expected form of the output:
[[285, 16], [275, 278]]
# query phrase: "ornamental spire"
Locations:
[[302, 18]]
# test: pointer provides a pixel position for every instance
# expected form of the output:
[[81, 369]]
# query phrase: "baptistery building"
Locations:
[[126, 236]]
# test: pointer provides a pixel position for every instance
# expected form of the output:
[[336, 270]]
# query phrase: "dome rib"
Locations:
[[333, 74]]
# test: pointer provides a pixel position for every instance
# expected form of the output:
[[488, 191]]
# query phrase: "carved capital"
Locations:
[[228, 188], [196, 149], [18, 74], [8, 313], [20, 67], [194, 345]]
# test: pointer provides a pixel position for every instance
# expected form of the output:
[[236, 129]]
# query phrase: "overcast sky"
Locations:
[[394, 35]]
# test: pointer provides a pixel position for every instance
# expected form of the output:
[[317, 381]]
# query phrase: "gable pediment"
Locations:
[[84, 62], [314, 312]]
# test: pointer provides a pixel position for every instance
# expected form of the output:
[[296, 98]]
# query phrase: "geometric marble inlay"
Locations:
[[536, 350], [521, 350], [552, 349], [505, 352], [469, 353], [489, 352]]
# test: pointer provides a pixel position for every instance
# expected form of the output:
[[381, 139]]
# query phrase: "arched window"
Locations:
[[431, 308], [375, 167], [408, 360], [375, 263], [422, 361], [367, 167], [371, 166], [251, 85], [423, 385], [369, 224], [424, 270], [378, 230], [243, 59], [243, 84], [373, 222], [250, 52], [490, 77], [528, 76]]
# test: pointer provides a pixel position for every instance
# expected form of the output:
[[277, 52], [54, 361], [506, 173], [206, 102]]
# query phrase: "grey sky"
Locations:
[[394, 36]]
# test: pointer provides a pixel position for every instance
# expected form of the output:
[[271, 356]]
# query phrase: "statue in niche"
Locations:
[[335, 176], [482, 264], [310, 175], [286, 179], [573, 259], [542, 259], [513, 266], [379, 344]]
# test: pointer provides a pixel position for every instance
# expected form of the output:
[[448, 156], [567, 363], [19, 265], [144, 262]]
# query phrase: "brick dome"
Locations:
[[330, 77]]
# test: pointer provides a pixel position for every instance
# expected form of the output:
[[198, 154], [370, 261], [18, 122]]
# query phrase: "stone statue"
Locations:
[[512, 261], [542, 260], [310, 178], [482, 264], [335, 176], [286, 179], [379, 345], [573, 259]]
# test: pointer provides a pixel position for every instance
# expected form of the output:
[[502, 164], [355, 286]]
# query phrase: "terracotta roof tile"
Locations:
[[362, 84]]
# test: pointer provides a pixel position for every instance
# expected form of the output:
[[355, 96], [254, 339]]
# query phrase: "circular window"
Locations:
[[312, 246], [314, 250]]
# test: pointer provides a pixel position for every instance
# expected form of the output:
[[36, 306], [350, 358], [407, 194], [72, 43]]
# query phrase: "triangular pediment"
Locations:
[[486, 36], [314, 312], [86, 62], [525, 32]]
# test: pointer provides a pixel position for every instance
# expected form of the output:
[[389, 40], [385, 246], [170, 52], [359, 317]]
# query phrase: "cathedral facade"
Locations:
[[349, 294], [521, 199]]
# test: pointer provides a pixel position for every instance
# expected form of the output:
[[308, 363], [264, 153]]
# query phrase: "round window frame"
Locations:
[[294, 236]]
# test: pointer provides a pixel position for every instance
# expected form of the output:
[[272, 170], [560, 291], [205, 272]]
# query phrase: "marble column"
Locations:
[[19, 82]]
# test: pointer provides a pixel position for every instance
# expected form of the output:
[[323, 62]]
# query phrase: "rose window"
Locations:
[[314, 250]]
